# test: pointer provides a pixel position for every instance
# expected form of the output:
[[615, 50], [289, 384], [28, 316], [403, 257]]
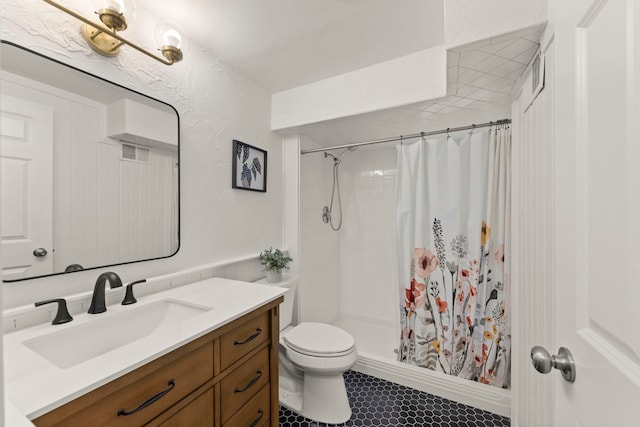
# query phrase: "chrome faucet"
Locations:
[[98, 304]]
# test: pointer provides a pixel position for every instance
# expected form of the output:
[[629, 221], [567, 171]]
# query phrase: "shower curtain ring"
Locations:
[[401, 141], [473, 127], [422, 135], [448, 136]]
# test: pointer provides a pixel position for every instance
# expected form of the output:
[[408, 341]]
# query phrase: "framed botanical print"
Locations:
[[249, 167]]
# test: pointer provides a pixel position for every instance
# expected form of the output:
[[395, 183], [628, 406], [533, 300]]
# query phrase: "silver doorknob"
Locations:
[[40, 252], [543, 362]]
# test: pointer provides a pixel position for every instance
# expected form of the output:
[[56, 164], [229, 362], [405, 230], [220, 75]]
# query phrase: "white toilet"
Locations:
[[313, 357]]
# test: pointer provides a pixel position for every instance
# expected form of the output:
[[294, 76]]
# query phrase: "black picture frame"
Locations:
[[248, 167]]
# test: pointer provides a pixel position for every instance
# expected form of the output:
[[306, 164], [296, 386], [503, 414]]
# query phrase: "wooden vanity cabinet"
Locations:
[[226, 378]]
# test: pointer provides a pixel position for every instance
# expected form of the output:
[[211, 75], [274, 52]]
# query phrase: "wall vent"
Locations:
[[533, 80], [135, 153]]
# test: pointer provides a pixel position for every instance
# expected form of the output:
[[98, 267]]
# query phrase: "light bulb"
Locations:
[[117, 5], [125, 7], [172, 37]]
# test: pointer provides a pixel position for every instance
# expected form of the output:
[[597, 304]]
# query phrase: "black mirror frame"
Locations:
[[9, 43]]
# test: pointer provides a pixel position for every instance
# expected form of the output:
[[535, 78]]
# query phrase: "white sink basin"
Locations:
[[107, 332]]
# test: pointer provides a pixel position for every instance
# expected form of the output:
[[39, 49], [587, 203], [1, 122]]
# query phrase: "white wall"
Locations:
[[216, 104], [416, 77], [368, 272], [320, 258], [533, 253], [350, 273]]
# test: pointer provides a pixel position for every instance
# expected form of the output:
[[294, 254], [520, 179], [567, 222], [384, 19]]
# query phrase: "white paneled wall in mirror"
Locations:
[[110, 194]]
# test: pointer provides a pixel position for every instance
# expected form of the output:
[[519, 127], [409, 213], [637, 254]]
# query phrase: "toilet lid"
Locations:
[[319, 339]]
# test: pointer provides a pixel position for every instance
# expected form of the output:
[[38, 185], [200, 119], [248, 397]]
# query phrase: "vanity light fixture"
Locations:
[[105, 39]]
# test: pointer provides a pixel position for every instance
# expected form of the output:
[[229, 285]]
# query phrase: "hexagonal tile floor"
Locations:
[[376, 402]]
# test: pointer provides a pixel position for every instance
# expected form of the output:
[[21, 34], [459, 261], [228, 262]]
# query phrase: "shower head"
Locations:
[[336, 160], [339, 158]]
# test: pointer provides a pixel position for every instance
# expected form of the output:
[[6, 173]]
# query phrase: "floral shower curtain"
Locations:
[[452, 224]]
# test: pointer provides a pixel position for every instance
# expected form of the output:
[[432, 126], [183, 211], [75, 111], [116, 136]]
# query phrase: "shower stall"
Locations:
[[349, 278]]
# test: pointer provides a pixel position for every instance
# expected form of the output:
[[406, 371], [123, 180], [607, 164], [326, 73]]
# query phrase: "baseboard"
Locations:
[[488, 398]]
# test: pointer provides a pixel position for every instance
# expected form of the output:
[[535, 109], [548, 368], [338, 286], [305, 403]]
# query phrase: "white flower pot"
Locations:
[[274, 276]]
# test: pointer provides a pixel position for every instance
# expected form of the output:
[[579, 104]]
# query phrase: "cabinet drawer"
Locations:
[[243, 339], [244, 383], [143, 399], [198, 413], [254, 413]]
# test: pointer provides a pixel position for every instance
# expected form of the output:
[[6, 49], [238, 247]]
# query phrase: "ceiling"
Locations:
[[282, 44], [287, 43], [481, 79]]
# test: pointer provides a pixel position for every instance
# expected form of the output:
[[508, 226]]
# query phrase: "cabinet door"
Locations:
[[198, 413]]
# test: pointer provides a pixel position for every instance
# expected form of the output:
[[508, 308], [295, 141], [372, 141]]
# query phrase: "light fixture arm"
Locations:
[[111, 33]]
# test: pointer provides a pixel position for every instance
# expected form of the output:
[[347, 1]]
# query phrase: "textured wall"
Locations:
[[216, 104]]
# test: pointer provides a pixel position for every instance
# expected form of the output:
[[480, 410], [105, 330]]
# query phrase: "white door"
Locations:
[[26, 174], [597, 251]]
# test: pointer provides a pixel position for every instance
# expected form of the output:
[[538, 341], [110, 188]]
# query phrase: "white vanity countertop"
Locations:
[[13, 417], [36, 386]]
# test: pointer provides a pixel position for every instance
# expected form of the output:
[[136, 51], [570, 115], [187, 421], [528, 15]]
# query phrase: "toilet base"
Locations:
[[290, 391], [323, 398]]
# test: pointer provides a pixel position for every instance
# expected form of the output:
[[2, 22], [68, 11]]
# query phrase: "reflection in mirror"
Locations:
[[89, 172]]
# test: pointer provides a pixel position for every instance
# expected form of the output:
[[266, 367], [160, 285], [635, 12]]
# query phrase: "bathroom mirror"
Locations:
[[89, 170]]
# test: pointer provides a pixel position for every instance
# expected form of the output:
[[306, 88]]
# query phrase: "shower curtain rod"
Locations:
[[402, 137]]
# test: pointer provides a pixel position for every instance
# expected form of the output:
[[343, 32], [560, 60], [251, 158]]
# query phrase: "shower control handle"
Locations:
[[326, 215], [543, 362]]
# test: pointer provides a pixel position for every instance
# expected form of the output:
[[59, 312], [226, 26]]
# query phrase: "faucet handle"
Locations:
[[128, 296], [62, 316]]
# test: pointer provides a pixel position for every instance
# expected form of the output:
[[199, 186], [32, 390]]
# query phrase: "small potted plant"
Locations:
[[274, 261]]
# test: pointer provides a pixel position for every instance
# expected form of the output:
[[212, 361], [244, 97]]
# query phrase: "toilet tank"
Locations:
[[290, 282]]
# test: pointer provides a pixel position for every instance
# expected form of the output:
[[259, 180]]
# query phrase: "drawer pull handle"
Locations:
[[251, 338], [251, 383], [257, 420], [151, 400]]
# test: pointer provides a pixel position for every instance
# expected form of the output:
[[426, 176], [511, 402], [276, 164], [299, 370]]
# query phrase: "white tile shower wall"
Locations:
[[216, 104], [350, 273], [319, 285], [368, 272]]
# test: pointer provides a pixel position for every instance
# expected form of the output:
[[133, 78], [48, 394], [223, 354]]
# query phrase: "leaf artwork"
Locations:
[[239, 150], [257, 165], [251, 166], [245, 153], [246, 176]]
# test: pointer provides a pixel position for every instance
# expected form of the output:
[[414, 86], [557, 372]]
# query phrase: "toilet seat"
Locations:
[[319, 340]]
